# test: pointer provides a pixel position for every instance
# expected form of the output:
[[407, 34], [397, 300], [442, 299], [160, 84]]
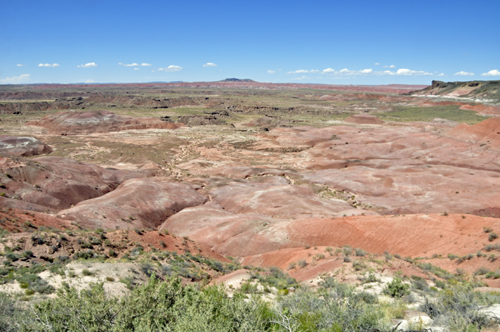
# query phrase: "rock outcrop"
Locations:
[[475, 89], [15, 146]]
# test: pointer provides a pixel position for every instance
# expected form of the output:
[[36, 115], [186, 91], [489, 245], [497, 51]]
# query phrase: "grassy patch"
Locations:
[[449, 112]]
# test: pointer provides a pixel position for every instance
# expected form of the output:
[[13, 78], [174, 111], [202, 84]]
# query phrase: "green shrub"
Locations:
[[493, 275], [396, 288], [360, 252], [334, 307], [156, 306], [95, 241], [482, 271], [12, 256], [457, 307], [347, 250], [27, 254], [487, 229], [492, 236], [419, 283], [87, 272], [358, 265]]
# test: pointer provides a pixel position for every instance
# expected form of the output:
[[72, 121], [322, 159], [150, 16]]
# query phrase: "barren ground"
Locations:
[[270, 175]]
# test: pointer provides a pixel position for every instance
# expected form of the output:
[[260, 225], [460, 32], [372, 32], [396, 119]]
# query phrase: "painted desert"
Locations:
[[264, 188]]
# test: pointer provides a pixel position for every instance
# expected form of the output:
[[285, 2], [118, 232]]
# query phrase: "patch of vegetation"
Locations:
[[457, 307], [396, 288], [492, 236], [449, 112]]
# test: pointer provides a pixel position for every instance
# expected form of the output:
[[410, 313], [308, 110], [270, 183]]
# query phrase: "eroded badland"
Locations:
[[316, 180]]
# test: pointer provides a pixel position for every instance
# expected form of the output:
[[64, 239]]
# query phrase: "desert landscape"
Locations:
[[264, 188]]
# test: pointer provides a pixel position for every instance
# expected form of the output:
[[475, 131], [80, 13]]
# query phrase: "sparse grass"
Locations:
[[449, 112]]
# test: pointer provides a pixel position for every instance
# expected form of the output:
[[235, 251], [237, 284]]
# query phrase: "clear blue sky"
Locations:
[[335, 42]]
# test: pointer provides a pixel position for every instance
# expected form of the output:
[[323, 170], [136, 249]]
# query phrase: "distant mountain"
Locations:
[[237, 80], [471, 89]]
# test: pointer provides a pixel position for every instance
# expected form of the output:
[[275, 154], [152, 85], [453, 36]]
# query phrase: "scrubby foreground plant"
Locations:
[[170, 306], [458, 307], [334, 307]]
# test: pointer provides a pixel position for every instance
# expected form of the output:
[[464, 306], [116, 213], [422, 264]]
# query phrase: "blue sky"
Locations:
[[331, 42]]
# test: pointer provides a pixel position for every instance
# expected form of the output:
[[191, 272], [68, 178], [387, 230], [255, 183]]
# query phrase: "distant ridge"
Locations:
[[469, 89], [237, 80]]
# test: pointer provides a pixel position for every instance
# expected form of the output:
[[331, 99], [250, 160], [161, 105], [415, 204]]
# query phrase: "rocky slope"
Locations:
[[473, 89]]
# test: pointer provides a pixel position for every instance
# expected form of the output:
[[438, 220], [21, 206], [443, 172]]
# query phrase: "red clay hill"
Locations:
[[73, 123]]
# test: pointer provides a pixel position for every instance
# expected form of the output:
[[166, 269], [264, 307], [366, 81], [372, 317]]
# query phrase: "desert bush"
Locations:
[[87, 272], [493, 275], [487, 229], [491, 247], [419, 283], [492, 236], [320, 256], [11, 314], [481, 271], [84, 254], [30, 280], [147, 269], [347, 250], [442, 273], [335, 307], [41, 286], [27, 254], [370, 278], [457, 307], [156, 306], [360, 252], [396, 288], [12, 256], [358, 265], [95, 241], [278, 279], [302, 263]]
